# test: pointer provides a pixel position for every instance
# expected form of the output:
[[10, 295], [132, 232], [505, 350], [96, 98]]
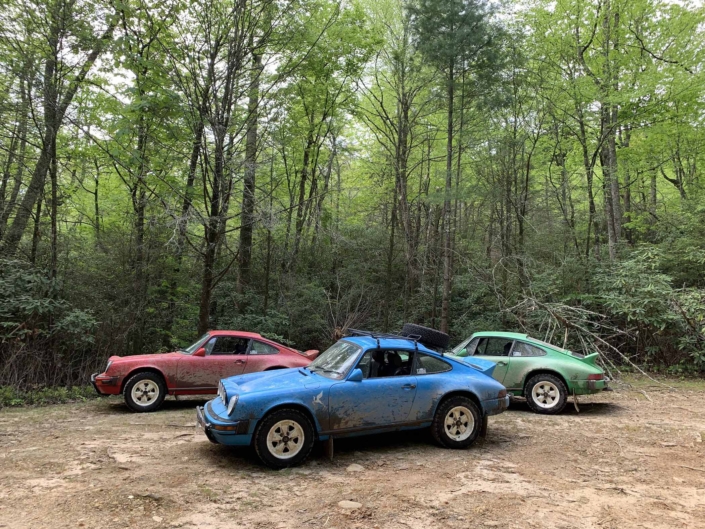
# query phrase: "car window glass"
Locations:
[[227, 345], [472, 346], [494, 347], [380, 363], [194, 346], [259, 348], [461, 348], [336, 361], [427, 364], [524, 349]]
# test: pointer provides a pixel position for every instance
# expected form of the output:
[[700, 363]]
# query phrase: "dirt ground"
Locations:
[[631, 458]]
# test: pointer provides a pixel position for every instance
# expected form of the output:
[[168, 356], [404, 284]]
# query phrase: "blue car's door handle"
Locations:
[[409, 386]]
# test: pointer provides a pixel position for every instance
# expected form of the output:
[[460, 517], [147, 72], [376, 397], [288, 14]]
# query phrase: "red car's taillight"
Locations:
[[596, 377]]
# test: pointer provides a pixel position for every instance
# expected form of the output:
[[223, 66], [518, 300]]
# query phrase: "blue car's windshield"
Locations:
[[336, 361], [194, 346]]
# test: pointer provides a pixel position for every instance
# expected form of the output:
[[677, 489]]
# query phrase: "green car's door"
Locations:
[[523, 359], [494, 349]]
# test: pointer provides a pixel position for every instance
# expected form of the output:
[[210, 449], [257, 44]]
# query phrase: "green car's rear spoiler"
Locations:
[[591, 358]]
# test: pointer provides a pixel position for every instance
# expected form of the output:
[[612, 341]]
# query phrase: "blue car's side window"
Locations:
[[378, 363], [427, 365]]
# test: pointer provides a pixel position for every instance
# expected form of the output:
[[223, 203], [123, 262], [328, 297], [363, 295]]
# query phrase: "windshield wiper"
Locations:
[[325, 370]]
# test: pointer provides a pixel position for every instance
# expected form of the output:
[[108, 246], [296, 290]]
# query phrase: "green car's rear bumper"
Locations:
[[586, 387]]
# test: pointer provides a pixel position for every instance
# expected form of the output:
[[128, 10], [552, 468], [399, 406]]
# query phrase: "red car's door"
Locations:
[[226, 356]]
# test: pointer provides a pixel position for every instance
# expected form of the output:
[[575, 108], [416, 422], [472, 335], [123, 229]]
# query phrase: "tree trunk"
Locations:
[[36, 233], [302, 195], [54, 111], [390, 262], [248, 190], [447, 242], [54, 211]]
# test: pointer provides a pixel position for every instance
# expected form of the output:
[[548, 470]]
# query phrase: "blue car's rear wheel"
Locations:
[[457, 423], [284, 438]]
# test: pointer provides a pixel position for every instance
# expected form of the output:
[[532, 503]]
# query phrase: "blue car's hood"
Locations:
[[482, 365], [279, 380]]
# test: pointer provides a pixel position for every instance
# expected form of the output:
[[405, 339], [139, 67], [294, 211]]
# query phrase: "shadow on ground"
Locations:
[[592, 408], [116, 405]]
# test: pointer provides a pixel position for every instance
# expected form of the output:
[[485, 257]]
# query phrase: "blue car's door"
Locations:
[[383, 398]]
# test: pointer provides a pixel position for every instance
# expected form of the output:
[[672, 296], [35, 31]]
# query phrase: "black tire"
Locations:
[[430, 337], [444, 435], [267, 453], [151, 384], [548, 403]]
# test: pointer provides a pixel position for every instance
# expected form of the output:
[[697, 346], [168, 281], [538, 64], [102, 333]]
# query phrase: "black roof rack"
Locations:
[[377, 335]]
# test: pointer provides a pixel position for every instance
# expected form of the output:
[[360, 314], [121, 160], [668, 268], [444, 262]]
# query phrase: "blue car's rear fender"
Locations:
[[473, 381]]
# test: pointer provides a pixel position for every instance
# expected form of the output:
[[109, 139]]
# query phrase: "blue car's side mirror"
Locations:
[[356, 376]]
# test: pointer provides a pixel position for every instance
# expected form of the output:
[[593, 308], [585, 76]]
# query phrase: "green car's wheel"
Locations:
[[546, 394], [284, 438], [457, 423]]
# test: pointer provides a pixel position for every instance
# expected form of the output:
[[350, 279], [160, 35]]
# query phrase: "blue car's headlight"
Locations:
[[222, 393], [232, 403]]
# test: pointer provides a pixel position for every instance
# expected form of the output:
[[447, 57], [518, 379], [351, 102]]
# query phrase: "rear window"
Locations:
[[524, 349], [430, 364], [259, 348]]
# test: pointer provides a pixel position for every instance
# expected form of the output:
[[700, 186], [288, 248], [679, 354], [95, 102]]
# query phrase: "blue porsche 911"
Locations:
[[365, 383]]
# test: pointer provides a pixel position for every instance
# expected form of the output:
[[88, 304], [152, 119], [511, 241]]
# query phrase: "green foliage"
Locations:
[[12, 397], [360, 200], [635, 291], [29, 301], [455, 32]]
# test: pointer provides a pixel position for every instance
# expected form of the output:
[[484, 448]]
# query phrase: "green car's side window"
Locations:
[[494, 347], [524, 349]]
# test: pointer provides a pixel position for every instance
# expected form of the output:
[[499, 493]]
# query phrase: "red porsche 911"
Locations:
[[145, 380]]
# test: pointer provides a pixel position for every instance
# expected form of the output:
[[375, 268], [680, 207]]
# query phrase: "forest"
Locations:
[[301, 167]]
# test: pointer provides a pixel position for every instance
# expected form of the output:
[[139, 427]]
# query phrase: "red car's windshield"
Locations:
[[194, 347]]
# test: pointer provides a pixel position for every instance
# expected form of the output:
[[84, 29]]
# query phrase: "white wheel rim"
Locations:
[[285, 439], [545, 394], [145, 392], [459, 423]]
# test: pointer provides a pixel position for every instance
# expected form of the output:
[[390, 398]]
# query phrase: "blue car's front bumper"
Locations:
[[222, 430]]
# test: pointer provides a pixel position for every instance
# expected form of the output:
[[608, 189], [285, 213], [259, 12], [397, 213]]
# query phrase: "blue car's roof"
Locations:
[[367, 342]]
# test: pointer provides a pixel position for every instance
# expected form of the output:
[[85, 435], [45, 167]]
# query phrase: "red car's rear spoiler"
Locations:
[[311, 354]]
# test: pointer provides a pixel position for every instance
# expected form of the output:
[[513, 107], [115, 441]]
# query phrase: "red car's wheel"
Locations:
[[145, 392]]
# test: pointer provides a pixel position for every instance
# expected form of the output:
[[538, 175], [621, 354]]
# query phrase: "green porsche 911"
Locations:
[[542, 373]]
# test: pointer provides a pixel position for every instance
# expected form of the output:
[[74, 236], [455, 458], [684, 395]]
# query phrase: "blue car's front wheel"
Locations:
[[457, 423], [284, 438]]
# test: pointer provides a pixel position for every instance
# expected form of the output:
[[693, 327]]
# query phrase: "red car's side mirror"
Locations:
[[200, 352]]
